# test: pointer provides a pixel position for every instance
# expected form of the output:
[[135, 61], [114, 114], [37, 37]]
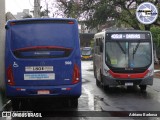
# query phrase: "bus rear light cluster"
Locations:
[[76, 75], [10, 77], [71, 22]]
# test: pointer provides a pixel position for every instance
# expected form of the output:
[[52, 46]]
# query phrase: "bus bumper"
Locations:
[[114, 81], [44, 91], [86, 58]]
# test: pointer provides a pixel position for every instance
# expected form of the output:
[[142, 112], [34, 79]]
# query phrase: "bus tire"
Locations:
[[97, 82], [95, 75], [105, 87], [143, 87], [73, 102], [15, 104]]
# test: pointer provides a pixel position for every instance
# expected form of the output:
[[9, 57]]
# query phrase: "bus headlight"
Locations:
[[150, 73], [108, 74], [90, 56]]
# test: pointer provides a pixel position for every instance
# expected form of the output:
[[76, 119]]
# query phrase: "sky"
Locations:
[[15, 6]]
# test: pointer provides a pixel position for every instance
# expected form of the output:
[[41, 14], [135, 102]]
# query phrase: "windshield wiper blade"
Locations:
[[121, 47], [135, 50]]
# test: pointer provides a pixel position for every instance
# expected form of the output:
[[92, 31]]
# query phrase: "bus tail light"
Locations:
[[10, 77], [71, 22], [76, 74]]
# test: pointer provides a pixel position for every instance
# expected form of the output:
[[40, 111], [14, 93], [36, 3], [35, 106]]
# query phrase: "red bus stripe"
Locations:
[[41, 47], [129, 75]]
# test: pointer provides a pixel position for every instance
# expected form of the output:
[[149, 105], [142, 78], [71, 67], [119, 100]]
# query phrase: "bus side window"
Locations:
[[97, 46], [101, 45]]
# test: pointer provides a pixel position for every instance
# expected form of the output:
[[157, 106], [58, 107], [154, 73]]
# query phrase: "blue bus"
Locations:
[[42, 59]]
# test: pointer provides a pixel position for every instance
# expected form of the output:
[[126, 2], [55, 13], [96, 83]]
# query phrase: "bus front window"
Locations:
[[128, 54], [86, 52], [116, 54], [140, 54]]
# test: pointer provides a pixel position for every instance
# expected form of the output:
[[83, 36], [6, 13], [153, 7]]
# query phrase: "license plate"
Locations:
[[43, 92], [38, 68], [128, 84]]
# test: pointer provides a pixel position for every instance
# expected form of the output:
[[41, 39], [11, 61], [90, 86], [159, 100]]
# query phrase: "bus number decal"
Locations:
[[68, 63]]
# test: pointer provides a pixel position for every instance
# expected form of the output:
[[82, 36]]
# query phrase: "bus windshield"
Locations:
[[86, 52], [126, 54]]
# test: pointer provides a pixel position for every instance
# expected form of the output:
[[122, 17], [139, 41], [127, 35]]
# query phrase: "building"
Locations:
[[10, 16], [23, 14], [2, 41]]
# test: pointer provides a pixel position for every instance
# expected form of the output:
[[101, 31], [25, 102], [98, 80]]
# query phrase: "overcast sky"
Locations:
[[15, 6]]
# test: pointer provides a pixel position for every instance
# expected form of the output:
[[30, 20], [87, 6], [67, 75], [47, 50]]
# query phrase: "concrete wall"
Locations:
[[2, 40]]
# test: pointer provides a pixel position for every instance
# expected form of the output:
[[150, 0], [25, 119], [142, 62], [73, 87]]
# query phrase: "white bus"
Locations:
[[123, 58]]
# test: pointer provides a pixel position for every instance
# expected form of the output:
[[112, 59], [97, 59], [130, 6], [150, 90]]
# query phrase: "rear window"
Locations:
[[42, 34]]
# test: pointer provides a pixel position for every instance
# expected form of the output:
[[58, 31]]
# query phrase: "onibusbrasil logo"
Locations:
[[146, 13]]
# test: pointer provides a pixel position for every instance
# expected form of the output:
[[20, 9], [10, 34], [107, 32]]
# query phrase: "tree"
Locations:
[[156, 35], [98, 12], [79, 9]]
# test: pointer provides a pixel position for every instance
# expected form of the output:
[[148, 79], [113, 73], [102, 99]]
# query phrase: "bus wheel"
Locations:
[[104, 87], [73, 102], [97, 82], [15, 104], [95, 73], [143, 87]]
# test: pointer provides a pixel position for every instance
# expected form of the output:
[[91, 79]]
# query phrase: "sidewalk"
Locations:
[[3, 99]]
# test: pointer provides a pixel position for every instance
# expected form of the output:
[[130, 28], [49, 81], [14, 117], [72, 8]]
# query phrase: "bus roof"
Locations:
[[42, 19]]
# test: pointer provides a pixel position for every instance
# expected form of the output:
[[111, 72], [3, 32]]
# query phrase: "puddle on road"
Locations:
[[90, 69], [90, 99]]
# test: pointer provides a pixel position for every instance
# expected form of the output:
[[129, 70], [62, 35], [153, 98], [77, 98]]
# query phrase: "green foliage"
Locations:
[[99, 12], [156, 35]]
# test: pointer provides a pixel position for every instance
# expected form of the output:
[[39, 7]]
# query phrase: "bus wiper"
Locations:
[[135, 50], [121, 47]]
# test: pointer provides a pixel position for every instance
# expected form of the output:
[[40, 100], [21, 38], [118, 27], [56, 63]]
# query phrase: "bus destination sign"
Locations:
[[127, 36]]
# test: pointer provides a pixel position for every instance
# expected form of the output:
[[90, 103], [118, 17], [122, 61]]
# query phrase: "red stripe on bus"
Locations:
[[42, 47], [129, 75]]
